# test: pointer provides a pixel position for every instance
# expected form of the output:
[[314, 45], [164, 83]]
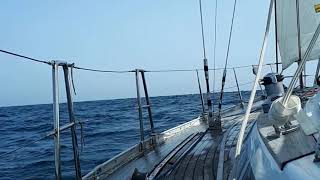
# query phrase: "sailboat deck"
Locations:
[[199, 162], [203, 159], [193, 153], [288, 147]]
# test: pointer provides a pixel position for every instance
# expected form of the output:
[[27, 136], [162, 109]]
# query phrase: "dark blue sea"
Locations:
[[111, 126]]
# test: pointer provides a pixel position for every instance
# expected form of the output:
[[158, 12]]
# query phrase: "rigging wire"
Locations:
[[227, 58], [230, 33], [202, 32], [214, 49], [205, 64]]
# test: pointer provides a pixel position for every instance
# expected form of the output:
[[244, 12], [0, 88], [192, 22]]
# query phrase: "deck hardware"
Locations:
[[273, 86], [288, 128], [140, 106], [285, 129]]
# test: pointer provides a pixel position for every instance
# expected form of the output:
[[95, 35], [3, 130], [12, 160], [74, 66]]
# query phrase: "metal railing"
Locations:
[[140, 106], [56, 117]]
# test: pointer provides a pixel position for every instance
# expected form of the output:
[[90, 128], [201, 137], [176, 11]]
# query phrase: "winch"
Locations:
[[274, 89]]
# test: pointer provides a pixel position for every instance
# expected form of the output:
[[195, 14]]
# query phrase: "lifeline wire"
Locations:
[[128, 71], [99, 70], [25, 57]]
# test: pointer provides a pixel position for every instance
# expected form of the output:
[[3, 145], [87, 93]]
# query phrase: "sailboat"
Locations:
[[276, 137]]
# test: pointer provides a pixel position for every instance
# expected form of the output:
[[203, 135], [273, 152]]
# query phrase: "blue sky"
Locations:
[[122, 35]]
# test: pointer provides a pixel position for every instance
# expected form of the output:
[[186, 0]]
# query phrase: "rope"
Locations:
[[72, 81], [25, 57]]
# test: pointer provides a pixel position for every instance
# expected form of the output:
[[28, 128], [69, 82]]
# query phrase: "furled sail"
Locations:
[[287, 29]]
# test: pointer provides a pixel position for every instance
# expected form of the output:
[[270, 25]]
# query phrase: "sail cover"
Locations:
[[287, 29]]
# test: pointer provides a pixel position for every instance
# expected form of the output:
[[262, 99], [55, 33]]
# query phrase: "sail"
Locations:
[[287, 29]]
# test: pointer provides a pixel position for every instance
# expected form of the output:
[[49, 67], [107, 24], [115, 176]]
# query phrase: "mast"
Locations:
[[299, 43]]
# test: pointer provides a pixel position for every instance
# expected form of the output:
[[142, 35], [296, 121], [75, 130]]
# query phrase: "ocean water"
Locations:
[[111, 126]]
